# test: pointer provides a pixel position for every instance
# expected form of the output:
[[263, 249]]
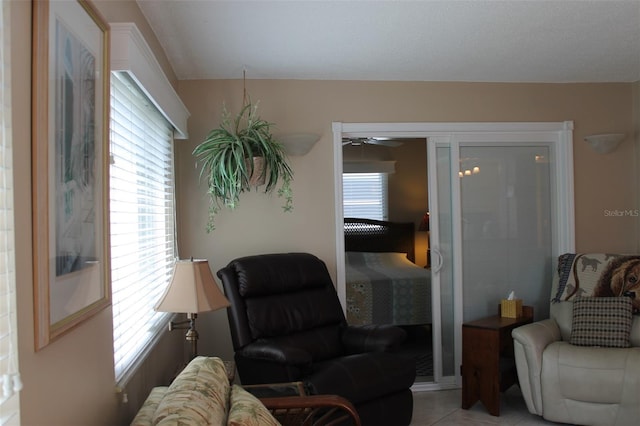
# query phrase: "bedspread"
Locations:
[[386, 288]]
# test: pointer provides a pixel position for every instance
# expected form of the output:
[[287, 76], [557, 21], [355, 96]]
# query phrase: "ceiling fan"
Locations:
[[371, 141]]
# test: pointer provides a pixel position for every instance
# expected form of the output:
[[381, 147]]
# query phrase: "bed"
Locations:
[[383, 285]]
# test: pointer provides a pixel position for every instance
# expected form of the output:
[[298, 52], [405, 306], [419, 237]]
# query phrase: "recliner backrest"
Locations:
[[581, 274], [284, 297]]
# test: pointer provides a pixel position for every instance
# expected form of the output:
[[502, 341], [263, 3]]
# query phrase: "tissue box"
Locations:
[[511, 308]]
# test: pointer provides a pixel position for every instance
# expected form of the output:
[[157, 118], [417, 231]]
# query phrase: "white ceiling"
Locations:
[[478, 40]]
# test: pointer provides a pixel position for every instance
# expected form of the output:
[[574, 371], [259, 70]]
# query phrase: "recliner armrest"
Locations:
[[529, 343], [372, 338], [275, 353], [538, 335]]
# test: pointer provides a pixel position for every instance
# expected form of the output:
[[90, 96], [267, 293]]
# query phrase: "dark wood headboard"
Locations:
[[370, 235]]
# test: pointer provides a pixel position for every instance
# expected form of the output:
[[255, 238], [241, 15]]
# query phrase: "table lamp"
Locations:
[[191, 290]]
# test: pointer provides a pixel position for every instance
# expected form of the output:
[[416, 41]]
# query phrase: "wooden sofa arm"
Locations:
[[311, 410]]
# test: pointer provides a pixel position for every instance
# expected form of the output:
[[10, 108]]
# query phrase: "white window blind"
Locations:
[[10, 383], [364, 195], [142, 221]]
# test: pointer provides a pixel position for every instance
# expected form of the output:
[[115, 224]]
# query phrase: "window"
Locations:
[[365, 195], [142, 220], [10, 383]]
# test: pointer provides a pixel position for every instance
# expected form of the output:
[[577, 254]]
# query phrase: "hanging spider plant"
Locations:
[[239, 153]]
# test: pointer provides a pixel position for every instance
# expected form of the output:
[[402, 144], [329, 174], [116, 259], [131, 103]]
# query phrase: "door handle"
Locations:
[[439, 260]]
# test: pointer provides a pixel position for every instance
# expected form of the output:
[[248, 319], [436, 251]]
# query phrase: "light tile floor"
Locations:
[[443, 408]]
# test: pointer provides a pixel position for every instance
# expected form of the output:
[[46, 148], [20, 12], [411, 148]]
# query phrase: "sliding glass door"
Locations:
[[506, 216], [501, 208], [442, 206]]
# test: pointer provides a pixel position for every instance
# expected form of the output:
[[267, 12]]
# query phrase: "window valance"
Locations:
[[130, 53]]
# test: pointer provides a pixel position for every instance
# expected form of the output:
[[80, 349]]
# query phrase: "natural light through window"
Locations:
[[142, 220], [365, 195]]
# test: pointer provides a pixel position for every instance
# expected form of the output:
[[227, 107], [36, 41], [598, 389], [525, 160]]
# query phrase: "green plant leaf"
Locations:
[[224, 158]]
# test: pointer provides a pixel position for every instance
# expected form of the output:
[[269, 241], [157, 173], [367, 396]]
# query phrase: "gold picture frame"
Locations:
[[70, 113]]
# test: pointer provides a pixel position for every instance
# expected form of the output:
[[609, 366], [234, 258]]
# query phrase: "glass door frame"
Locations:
[[558, 134], [453, 270]]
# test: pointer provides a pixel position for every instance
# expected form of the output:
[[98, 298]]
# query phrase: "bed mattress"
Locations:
[[386, 288]]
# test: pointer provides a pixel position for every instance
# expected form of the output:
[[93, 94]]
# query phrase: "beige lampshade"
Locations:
[[192, 289]]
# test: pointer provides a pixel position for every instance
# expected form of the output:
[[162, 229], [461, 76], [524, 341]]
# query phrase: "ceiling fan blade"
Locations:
[[354, 141], [371, 141], [384, 142]]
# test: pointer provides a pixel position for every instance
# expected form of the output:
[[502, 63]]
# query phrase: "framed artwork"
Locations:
[[69, 166]]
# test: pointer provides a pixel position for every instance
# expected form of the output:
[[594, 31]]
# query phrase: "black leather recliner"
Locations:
[[287, 324]]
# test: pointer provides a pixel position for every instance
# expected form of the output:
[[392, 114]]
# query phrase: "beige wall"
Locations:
[[408, 195], [636, 140], [602, 182], [71, 380]]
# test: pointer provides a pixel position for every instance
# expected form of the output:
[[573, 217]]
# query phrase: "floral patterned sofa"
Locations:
[[201, 395], [582, 365]]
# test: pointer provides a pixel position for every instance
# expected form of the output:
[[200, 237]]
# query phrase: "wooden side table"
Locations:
[[488, 365]]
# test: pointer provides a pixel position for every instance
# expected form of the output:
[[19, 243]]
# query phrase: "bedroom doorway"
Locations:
[[386, 236], [452, 204]]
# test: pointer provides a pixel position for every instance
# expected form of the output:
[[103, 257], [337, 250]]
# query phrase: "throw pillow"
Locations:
[[601, 321], [596, 274], [198, 396], [247, 410]]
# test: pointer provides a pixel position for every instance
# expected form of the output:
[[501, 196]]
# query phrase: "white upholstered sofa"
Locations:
[[574, 367]]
